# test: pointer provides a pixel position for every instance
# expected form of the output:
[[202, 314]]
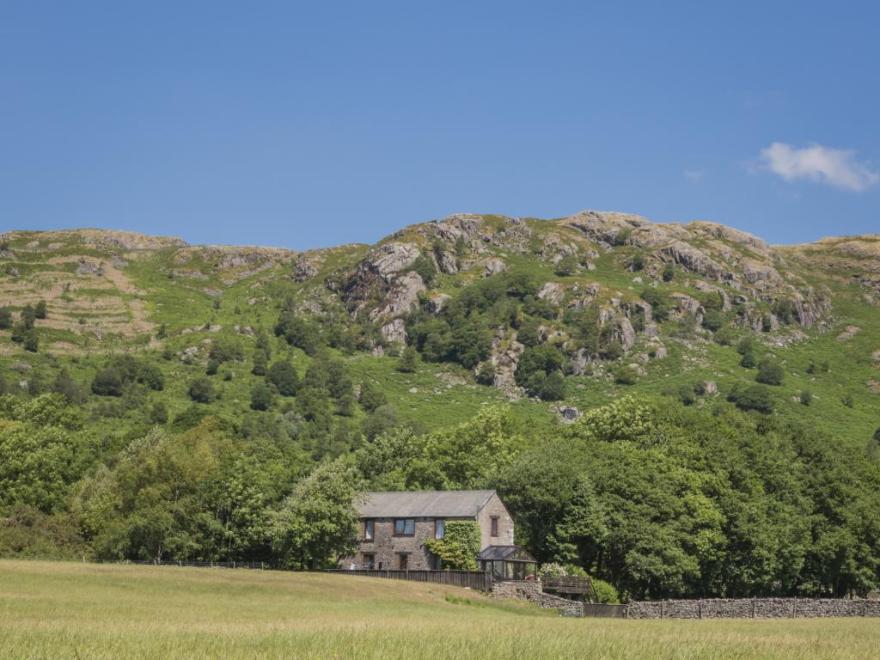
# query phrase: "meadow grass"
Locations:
[[51, 609]]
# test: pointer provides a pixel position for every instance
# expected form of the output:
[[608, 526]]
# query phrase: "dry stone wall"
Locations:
[[531, 591], [753, 608]]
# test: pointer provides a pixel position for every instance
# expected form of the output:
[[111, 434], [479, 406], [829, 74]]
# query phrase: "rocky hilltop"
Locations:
[[595, 299]]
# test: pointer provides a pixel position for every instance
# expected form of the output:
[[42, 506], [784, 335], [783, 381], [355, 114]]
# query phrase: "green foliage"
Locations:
[[261, 397], [713, 320], [201, 390], [458, 548], [409, 360], [605, 592], [159, 414], [626, 375], [753, 397], [770, 372], [806, 397], [298, 331], [371, 396], [284, 377], [486, 374], [668, 273], [31, 341], [566, 266], [317, 523], [539, 372], [123, 371], [424, 266], [41, 310], [5, 318], [660, 305]]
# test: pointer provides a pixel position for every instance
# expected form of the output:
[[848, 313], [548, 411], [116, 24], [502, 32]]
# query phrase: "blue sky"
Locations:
[[313, 124]]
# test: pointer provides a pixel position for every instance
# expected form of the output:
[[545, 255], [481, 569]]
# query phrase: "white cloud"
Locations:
[[835, 167], [693, 175]]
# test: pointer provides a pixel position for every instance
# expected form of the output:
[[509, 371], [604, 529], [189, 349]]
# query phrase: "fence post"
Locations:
[[754, 605], [700, 607]]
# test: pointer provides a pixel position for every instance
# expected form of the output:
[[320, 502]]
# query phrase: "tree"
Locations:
[[371, 396], [67, 387], [668, 273], [317, 523], [31, 341], [159, 414], [754, 397], [201, 390], [424, 266], [458, 549], [284, 377], [261, 362], [770, 372], [108, 382], [536, 365], [409, 360], [748, 360], [40, 310], [28, 316], [261, 397]]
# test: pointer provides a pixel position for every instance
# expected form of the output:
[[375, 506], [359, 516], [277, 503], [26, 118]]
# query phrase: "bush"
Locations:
[[754, 397], [535, 366], [261, 363], [409, 360], [605, 592], [108, 382], [371, 396], [261, 397], [686, 395], [566, 266], [31, 341], [626, 375], [659, 303], [806, 397], [159, 413], [668, 273], [486, 374], [770, 372], [41, 311], [284, 377], [748, 361], [713, 320], [5, 318], [28, 316], [201, 390], [424, 266], [637, 263]]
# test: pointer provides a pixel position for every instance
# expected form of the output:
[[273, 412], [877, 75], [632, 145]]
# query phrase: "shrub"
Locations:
[[566, 266], [41, 311], [5, 318], [108, 382], [284, 377], [659, 303], [605, 592], [668, 273], [261, 397], [806, 397], [686, 395], [713, 320], [28, 316], [848, 400], [201, 390], [626, 375], [486, 374], [424, 266], [770, 372], [371, 396], [159, 413], [754, 397], [260, 363], [409, 360], [748, 360], [31, 341]]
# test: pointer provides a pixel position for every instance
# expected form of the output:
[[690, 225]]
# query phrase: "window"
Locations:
[[494, 526], [368, 530], [369, 562], [439, 529], [405, 527], [403, 561]]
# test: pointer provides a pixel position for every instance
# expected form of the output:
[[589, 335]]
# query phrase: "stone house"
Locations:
[[394, 526]]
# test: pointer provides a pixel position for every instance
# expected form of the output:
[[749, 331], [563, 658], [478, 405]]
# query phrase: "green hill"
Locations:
[[266, 362]]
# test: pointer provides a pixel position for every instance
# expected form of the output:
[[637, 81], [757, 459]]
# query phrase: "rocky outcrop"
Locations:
[[494, 266], [402, 297], [394, 332], [694, 260]]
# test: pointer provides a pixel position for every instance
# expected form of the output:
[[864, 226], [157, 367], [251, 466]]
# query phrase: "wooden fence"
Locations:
[[569, 585], [479, 580]]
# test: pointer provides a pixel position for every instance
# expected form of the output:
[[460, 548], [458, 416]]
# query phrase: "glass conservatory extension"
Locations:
[[508, 562]]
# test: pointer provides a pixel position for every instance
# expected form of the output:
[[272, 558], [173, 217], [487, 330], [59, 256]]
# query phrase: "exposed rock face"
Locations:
[[446, 262], [403, 296], [305, 267], [603, 227], [552, 292], [694, 260], [624, 333], [494, 266], [505, 361], [756, 272], [438, 302], [391, 258], [394, 332]]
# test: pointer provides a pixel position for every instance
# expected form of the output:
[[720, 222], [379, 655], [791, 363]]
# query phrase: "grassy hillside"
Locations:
[[86, 611]]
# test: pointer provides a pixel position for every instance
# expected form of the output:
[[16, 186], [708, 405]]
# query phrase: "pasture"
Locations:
[[69, 610]]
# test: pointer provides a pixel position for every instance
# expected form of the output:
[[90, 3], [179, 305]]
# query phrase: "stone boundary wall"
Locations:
[[752, 608], [531, 591]]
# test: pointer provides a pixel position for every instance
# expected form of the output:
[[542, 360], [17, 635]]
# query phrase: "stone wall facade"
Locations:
[[495, 508], [752, 608], [386, 549], [531, 591]]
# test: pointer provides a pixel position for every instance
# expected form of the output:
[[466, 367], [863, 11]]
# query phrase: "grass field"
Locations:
[[66, 610]]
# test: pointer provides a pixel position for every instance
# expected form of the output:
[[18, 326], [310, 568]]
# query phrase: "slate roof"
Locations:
[[423, 504]]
